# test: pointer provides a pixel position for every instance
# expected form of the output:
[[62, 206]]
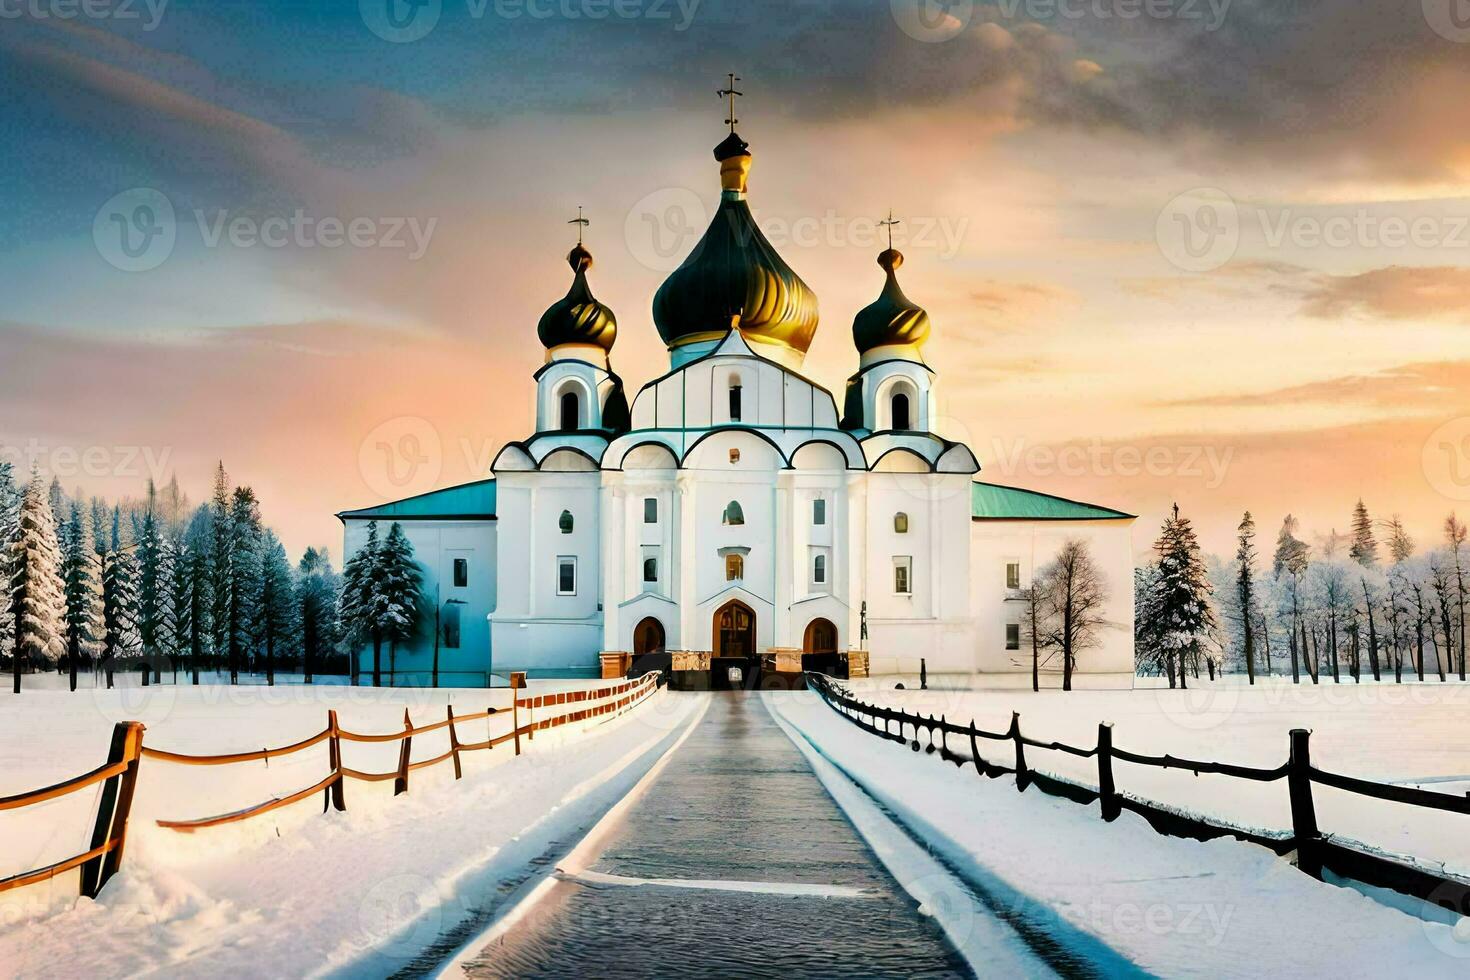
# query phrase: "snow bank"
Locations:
[[295, 891], [1176, 908]]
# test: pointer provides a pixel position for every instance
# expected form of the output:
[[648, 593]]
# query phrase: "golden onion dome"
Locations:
[[734, 277], [578, 318], [891, 319]]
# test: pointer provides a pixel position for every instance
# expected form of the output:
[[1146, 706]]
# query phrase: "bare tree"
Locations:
[[1455, 534], [1077, 594]]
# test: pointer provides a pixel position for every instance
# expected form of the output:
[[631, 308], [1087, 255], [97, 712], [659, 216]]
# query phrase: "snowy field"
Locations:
[[1175, 908], [292, 892], [1413, 734]]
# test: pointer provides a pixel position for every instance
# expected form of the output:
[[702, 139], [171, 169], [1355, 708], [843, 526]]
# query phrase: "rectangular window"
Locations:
[[819, 569], [903, 576], [734, 568], [735, 403], [650, 510], [566, 575], [1013, 575], [461, 573], [451, 626], [1013, 636], [650, 566], [819, 511]]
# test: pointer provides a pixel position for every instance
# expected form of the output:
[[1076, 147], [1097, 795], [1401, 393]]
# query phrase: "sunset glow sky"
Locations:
[[1045, 159]]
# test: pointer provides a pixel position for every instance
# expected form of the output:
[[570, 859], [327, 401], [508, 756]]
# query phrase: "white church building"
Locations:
[[734, 515]]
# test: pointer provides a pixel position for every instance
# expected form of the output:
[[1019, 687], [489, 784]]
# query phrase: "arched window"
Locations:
[[819, 570], [735, 398], [650, 569], [571, 412], [733, 514], [901, 420], [565, 522], [900, 523], [734, 568]]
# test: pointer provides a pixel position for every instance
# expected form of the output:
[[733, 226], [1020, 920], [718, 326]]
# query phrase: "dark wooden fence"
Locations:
[[119, 774], [1315, 853]]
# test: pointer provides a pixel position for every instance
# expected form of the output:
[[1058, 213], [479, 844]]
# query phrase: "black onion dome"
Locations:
[[578, 318], [735, 276], [892, 318]]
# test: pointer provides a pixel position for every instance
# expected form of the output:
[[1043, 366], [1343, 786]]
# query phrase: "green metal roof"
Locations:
[[992, 502], [467, 502]]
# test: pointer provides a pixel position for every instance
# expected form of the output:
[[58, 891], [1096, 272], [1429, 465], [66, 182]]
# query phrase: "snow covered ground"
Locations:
[[294, 892], [1414, 734], [1176, 908]]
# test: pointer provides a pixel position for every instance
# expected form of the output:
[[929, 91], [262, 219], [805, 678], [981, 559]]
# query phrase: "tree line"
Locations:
[[1369, 602], [158, 583]]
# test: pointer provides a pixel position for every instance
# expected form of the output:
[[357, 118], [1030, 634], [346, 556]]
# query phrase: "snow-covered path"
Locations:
[[733, 861], [1176, 908]]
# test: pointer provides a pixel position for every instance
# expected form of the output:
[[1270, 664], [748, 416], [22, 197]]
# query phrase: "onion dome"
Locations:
[[734, 277], [891, 319], [578, 318]]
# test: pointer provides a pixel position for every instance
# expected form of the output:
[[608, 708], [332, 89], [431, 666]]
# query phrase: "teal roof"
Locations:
[[992, 502], [467, 502]]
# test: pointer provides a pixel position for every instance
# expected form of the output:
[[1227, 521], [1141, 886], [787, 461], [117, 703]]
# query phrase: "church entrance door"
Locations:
[[734, 663], [649, 651]]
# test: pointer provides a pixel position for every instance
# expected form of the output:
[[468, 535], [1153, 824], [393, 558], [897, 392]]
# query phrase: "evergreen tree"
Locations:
[[402, 589], [150, 580], [84, 630], [245, 564], [356, 607], [315, 591], [1148, 649], [275, 610], [1364, 549], [196, 563], [37, 594], [221, 575], [9, 521], [1184, 617], [172, 614], [1245, 590], [119, 602]]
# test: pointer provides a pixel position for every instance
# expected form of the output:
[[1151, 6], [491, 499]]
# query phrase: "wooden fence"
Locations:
[[1316, 853], [120, 773]]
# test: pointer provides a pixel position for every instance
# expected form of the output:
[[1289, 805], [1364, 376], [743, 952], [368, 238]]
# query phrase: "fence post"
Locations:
[[454, 743], [1021, 778], [975, 749], [517, 681], [400, 784], [943, 739], [335, 792], [1303, 811], [1107, 790], [113, 806]]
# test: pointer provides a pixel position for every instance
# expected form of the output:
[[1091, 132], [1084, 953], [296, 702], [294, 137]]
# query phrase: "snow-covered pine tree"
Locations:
[[150, 581], [1245, 591], [119, 602], [1364, 548], [84, 630], [221, 601], [275, 612], [37, 595], [402, 589], [316, 590], [9, 513], [1186, 620], [197, 563], [1148, 651], [355, 606], [172, 612], [245, 566]]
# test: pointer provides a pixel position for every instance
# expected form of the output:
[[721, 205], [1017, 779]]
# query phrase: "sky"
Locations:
[[1212, 252]]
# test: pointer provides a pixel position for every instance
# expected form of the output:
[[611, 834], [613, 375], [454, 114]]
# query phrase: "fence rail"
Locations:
[[1315, 852], [118, 775]]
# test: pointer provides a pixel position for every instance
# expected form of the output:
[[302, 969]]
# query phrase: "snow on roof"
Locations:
[[992, 502], [466, 502]]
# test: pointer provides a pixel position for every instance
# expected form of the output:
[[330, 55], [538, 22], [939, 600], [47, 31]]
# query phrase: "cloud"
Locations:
[[1394, 293], [1421, 389]]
